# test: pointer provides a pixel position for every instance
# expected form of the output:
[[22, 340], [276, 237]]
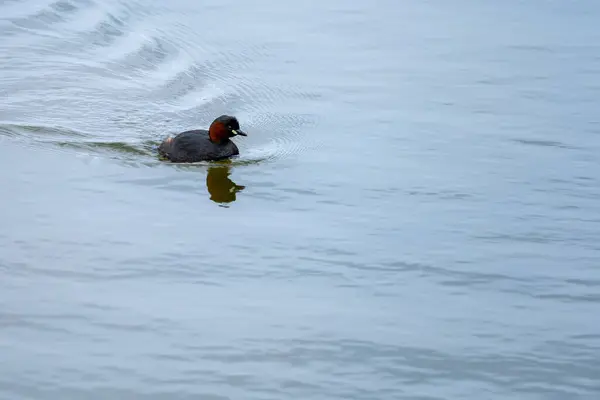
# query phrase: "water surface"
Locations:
[[414, 213]]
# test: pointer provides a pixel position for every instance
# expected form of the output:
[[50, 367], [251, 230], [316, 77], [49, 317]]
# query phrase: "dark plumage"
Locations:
[[203, 145]]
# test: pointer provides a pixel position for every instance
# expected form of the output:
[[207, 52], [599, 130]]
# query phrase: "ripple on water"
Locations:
[[15, 9], [80, 143], [284, 136], [107, 28], [38, 132], [153, 53], [285, 141], [183, 79], [180, 84], [543, 143], [44, 18]]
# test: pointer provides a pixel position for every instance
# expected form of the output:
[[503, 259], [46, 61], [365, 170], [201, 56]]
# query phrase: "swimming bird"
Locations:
[[203, 145]]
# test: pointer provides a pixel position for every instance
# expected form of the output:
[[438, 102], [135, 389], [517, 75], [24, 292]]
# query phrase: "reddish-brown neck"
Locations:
[[218, 132]]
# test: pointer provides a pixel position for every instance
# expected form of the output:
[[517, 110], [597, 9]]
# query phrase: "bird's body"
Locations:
[[203, 145], [194, 146]]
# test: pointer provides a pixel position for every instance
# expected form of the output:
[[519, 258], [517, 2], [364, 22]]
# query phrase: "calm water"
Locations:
[[415, 212]]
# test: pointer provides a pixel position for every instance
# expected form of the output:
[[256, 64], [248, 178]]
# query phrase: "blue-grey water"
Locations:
[[415, 213]]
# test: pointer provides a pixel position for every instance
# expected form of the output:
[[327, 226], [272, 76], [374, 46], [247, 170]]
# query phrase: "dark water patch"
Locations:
[[565, 298], [10, 321], [590, 282], [544, 143], [532, 238], [141, 149], [106, 32], [38, 131], [530, 49], [438, 194], [54, 13]]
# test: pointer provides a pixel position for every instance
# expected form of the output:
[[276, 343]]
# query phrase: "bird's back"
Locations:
[[194, 146]]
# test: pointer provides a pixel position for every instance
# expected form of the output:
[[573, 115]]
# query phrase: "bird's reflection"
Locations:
[[222, 190]]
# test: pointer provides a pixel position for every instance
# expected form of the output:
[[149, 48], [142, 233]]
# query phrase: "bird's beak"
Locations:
[[238, 132]]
